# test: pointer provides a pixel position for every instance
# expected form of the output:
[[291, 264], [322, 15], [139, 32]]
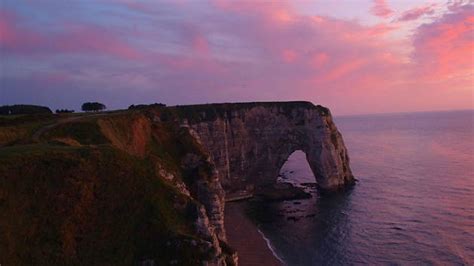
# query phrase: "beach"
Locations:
[[243, 235]]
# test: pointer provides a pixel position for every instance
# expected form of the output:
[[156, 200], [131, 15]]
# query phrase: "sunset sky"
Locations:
[[357, 56]]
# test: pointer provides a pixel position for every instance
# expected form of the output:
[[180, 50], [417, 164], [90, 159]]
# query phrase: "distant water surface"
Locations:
[[414, 204]]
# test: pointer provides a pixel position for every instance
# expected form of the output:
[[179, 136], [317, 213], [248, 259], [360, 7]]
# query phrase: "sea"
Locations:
[[413, 203]]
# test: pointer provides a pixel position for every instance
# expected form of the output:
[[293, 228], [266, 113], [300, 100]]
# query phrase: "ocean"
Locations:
[[413, 204]]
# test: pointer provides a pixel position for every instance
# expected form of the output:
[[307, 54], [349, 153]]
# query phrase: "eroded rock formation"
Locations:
[[250, 142], [163, 168]]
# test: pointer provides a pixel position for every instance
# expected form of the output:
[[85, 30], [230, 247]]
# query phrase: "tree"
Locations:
[[63, 111], [93, 107], [22, 109], [143, 106]]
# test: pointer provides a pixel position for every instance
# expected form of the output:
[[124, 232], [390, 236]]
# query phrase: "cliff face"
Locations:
[[147, 185], [250, 142], [111, 189]]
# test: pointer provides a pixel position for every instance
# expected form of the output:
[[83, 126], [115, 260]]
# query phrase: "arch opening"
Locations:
[[296, 170]]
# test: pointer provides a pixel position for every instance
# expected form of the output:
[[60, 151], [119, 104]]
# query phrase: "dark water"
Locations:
[[414, 204]]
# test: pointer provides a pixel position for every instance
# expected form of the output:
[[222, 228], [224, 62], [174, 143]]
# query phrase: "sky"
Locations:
[[353, 56]]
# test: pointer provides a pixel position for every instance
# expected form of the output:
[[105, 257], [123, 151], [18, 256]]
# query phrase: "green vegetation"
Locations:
[[209, 112], [96, 202], [323, 110], [17, 129], [21, 109], [93, 107], [144, 106], [64, 111], [90, 189], [83, 206], [86, 132]]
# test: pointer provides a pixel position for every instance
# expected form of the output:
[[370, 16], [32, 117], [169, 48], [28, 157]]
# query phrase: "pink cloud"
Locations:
[[289, 55], [52, 78], [444, 48], [381, 9], [16, 38], [319, 60], [194, 39], [276, 13], [344, 69], [13, 37], [417, 12], [381, 29], [319, 52], [200, 44], [255, 50], [454, 5], [93, 39]]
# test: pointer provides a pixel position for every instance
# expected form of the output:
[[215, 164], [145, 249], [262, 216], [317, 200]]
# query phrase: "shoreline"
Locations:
[[252, 247], [270, 246]]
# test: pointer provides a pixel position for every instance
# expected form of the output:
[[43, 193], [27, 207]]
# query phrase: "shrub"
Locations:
[[63, 111], [22, 109], [142, 106], [93, 107]]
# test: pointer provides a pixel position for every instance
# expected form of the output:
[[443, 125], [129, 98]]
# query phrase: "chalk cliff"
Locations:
[[121, 188], [148, 185], [250, 142]]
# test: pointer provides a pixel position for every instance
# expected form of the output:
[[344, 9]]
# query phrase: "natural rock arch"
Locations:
[[296, 169], [250, 142]]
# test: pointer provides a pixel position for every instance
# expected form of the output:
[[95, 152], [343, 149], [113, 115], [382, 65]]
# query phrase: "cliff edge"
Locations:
[[115, 188], [147, 186], [250, 142]]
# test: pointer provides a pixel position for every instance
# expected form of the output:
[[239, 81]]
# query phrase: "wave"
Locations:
[[269, 245]]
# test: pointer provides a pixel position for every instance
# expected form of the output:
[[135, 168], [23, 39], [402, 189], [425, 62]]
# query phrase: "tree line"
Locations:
[[26, 109], [22, 109]]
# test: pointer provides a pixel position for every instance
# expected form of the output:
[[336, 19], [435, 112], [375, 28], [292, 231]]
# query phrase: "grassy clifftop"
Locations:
[[113, 188], [207, 112], [99, 190]]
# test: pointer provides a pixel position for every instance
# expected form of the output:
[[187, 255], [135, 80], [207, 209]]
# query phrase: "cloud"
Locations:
[[194, 52], [444, 48], [319, 60], [381, 29], [381, 9], [289, 55], [417, 12], [12, 37], [15, 38]]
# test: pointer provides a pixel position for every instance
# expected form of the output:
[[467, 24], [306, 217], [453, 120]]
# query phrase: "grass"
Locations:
[[209, 112], [90, 206], [96, 204], [17, 129], [85, 132]]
